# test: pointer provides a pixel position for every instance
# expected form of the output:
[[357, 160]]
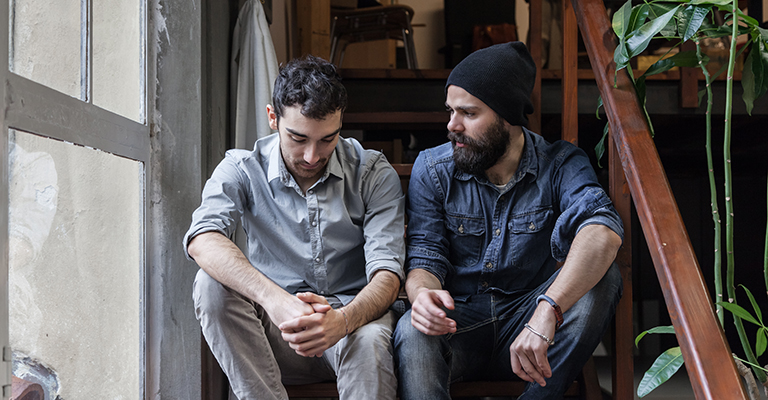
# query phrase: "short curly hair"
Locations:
[[312, 83]]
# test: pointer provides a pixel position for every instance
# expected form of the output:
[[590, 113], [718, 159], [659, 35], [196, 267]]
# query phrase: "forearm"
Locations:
[[373, 300], [418, 281], [224, 261], [592, 252]]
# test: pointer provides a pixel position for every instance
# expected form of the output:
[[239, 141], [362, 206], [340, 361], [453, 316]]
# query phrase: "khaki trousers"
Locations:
[[257, 362]]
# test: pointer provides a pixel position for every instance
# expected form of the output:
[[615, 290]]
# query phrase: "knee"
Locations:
[[373, 335], [404, 331], [409, 340], [596, 307], [373, 340], [611, 284], [209, 295]]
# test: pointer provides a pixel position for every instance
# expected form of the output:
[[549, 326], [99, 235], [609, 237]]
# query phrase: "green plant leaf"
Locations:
[[754, 76], [712, 2], [638, 17], [620, 57], [682, 59], [715, 32], [599, 106], [657, 329], [738, 311], [763, 33], [620, 21], [600, 146], [662, 369], [754, 304], [640, 89], [749, 21], [761, 342], [640, 39], [658, 9], [690, 20]]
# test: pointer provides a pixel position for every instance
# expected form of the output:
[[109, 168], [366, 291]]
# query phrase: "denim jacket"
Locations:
[[476, 237]]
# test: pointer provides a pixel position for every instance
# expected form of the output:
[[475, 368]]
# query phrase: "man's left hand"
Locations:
[[528, 353], [311, 335]]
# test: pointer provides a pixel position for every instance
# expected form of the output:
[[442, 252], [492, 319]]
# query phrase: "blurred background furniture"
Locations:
[[372, 23], [461, 18]]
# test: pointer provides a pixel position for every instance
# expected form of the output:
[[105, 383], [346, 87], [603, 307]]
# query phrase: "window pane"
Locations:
[[75, 268], [117, 57], [45, 43]]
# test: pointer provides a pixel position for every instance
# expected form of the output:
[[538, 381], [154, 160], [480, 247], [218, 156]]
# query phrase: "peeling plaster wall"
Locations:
[[175, 112]]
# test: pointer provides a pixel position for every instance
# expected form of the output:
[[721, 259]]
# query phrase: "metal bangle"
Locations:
[[549, 341]]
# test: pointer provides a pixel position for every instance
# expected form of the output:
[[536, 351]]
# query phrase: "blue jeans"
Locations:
[[487, 324]]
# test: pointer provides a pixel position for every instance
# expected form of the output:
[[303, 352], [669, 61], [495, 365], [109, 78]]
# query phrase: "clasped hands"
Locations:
[[308, 323], [528, 353]]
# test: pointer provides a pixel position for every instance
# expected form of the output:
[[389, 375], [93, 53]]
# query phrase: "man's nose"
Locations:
[[311, 154], [454, 124]]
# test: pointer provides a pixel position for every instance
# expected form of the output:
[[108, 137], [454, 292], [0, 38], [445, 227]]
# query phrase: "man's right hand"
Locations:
[[427, 314], [288, 307]]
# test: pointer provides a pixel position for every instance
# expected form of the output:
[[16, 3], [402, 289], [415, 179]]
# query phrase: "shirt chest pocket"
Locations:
[[466, 236], [529, 237]]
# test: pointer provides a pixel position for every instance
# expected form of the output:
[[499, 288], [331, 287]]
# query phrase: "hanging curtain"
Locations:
[[254, 69]]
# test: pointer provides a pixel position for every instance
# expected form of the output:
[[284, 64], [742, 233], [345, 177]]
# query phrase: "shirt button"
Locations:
[[317, 259], [532, 226], [314, 223], [310, 191], [489, 265], [461, 228], [498, 232], [485, 284]]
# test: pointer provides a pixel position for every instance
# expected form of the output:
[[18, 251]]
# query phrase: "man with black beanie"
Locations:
[[490, 215]]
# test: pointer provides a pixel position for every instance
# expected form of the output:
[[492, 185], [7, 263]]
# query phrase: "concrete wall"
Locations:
[[176, 114]]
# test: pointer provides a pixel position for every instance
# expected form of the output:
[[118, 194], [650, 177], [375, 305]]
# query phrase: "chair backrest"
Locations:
[[392, 149]]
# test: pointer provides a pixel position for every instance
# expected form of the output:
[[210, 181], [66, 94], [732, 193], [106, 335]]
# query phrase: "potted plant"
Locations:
[[698, 20]]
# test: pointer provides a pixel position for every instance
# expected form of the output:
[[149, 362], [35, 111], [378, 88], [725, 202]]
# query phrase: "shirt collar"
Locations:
[[277, 168]]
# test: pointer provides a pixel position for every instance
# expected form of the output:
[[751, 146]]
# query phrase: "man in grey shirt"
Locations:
[[324, 224]]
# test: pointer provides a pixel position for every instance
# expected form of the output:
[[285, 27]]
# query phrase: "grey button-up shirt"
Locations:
[[330, 240]]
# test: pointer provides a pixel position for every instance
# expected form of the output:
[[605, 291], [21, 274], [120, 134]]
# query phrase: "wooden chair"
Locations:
[[392, 149], [373, 23]]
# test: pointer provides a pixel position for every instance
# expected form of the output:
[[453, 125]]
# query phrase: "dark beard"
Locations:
[[478, 155]]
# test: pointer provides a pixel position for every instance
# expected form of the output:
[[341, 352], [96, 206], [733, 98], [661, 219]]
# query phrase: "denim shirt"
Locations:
[[329, 240], [476, 237]]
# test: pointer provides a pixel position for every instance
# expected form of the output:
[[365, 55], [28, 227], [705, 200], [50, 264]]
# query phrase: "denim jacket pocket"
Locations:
[[529, 237], [466, 235]]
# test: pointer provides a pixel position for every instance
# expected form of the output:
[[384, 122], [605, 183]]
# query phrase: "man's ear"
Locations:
[[272, 116]]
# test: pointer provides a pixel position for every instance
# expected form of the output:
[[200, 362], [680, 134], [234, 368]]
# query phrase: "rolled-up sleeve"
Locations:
[[384, 223], [582, 202], [223, 202], [428, 246]]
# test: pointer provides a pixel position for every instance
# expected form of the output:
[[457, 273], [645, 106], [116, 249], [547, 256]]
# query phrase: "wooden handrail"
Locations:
[[707, 356]]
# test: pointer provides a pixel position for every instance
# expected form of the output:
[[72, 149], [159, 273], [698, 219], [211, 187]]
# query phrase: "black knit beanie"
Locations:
[[502, 77]]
